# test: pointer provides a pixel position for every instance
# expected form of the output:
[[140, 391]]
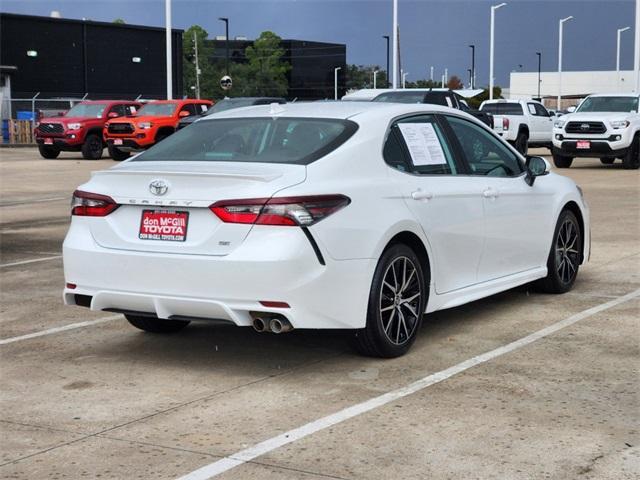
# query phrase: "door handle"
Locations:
[[490, 193], [421, 195]]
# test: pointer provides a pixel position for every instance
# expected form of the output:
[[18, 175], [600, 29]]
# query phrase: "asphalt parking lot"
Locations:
[[84, 395]]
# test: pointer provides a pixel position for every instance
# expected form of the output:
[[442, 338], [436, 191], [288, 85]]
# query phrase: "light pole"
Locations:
[[431, 73], [491, 42], [375, 75], [473, 65], [620, 30], [539, 54], [470, 78], [167, 20], [446, 77], [226, 41], [195, 46], [386, 37], [636, 57], [560, 59], [395, 43], [404, 79], [335, 82]]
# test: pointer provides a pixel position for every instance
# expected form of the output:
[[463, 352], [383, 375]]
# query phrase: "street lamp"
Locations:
[[335, 82], [539, 54], [404, 79], [473, 65], [470, 78], [167, 19], [375, 76], [386, 37], [226, 41], [395, 43], [620, 30], [493, 21], [560, 59], [431, 73]]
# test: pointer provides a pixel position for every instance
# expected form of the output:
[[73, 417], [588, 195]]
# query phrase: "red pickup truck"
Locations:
[[80, 129], [154, 122]]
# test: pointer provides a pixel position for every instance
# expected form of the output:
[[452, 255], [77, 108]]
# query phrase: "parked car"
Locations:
[[80, 129], [523, 123], [346, 215], [603, 126], [153, 123], [435, 96], [228, 104]]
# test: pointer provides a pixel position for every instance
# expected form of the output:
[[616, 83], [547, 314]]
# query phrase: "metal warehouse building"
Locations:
[[72, 58]]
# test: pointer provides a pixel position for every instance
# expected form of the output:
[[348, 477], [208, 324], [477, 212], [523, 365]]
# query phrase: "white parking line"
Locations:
[[262, 448], [71, 326], [33, 200], [34, 260]]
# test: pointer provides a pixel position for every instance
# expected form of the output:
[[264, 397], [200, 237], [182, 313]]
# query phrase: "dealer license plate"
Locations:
[[48, 141], [583, 145], [168, 225], [117, 141]]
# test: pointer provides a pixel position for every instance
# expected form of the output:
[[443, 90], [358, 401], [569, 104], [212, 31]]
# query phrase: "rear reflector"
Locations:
[[71, 286], [86, 204], [285, 211], [271, 304]]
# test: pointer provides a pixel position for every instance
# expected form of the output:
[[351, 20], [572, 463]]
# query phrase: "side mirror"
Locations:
[[183, 114], [571, 109], [113, 115], [536, 167]]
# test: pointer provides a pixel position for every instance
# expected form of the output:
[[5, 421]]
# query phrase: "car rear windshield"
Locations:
[[502, 108], [609, 104], [87, 110], [229, 103], [263, 140], [157, 109], [400, 97]]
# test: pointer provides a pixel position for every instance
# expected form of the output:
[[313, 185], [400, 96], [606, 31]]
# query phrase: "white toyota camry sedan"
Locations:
[[360, 216]]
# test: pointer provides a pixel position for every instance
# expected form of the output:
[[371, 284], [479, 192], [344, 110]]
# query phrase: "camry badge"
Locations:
[[158, 187]]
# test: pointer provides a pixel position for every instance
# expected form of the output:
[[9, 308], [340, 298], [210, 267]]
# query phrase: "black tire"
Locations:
[[560, 161], [156, 325], [48, 152], [522, 142], [565, 255], [376, 341], [117, 154], [631, 161], [161, 136], [92, 147], [607, 161]]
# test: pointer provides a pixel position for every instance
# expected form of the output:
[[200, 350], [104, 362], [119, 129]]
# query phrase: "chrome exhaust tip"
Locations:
[[278, 325], [259, 325]]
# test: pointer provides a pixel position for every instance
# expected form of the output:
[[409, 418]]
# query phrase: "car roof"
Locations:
[[106, 102], [371, 93], [331, 109], [626, 94], [177, 101]]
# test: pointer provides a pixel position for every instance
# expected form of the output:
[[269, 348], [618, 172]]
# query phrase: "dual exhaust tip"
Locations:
[[273, 324]]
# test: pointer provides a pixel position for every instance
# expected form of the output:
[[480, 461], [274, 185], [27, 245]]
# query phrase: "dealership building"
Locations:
[[575, 85]]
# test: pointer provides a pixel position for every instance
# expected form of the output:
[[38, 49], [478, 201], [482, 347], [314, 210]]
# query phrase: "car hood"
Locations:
[[597, 116], [143, 118], [67, 120]]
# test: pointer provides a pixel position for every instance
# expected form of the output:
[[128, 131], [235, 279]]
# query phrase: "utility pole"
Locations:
[[431, 74], [395, 43], [335, 82], [386, 37], [375, 76], [561, 32], [446, 77], [473, 66], [195, 46], [226, 41], [167, 16], [636, 61], [491, 46], [539, 54], [620, 30]]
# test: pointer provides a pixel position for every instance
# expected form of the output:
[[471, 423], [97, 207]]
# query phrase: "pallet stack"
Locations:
[[21, 132]]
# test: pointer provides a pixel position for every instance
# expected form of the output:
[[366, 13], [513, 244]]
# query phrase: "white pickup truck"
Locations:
[[603, 126], [523, 123]]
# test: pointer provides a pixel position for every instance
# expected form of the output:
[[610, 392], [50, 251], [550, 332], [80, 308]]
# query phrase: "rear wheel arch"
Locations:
[[416, 244], [523, 129]]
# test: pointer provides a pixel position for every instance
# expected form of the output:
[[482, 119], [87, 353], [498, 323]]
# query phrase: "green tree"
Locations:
[[119, 21], [478, 99], [209, 79], [265, 74], [361, 76]]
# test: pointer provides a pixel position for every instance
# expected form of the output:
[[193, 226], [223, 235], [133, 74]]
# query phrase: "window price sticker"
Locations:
[[423, 143]]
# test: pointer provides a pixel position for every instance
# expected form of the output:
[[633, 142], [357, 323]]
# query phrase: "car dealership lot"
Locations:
[[107, 400]]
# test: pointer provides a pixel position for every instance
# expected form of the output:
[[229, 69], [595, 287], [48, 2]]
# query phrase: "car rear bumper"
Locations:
[[273, 264]]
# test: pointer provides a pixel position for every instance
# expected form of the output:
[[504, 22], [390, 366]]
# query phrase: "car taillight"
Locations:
[[505, 123], [284, 211], [85, 204]]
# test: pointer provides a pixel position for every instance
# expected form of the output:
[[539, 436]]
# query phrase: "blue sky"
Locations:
[[433, 32]]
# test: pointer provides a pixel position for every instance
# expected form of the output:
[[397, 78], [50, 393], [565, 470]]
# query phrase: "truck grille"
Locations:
[[585, 127], [47, 128], [120, 128]]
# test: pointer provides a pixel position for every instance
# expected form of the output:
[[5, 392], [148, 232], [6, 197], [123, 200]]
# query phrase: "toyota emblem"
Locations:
[[158, 187], [584, 126]]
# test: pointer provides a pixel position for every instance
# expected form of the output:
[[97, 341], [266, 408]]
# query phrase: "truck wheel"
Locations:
[[117, 154], [607, 161], [522, 143], [92, 147], [48, 152], [631, 161], [561, 161], [156, 325]]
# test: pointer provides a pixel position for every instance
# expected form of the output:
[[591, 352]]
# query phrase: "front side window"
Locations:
[[423, 146], [485, 154], [261, 140], [541, 111], [157, 110], [609, 104]]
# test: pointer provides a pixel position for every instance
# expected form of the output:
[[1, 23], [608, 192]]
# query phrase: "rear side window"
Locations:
[[502, 108], [298, 141]]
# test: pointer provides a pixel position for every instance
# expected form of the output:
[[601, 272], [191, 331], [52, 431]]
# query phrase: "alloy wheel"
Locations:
[[567, 255], [400, 300]]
